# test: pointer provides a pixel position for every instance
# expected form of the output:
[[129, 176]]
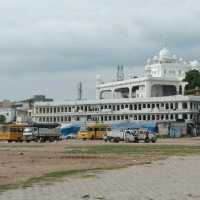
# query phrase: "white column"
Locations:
[[147, 89], [98, 94], [183, 89], [177, 89], [180, 106], [113, 93], [130, 92]]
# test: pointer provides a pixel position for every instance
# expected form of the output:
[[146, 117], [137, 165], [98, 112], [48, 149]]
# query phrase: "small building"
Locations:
[[24, 108], [5, 104]]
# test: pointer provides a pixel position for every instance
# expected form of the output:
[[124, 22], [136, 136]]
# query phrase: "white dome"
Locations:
[[174, 57], [194, 63], [181, 59], [148, 61], [155, 58], [165, 54]]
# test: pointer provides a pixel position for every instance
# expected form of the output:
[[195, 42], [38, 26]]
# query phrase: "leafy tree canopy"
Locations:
[[193, 79]]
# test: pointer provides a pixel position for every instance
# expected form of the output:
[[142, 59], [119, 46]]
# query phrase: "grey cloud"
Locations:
[[39, 39]]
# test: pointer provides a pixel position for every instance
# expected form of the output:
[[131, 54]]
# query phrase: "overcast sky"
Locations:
[[48, 46]]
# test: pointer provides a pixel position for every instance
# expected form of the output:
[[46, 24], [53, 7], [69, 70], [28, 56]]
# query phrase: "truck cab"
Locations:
[[130, 136], [29, 133]]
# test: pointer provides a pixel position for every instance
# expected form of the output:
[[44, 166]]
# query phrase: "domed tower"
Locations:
[[165, 56], [167, 65], [148, 71], [99, 79]]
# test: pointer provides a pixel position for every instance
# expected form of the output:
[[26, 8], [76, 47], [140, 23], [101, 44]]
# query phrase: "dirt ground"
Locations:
[[20, 162]]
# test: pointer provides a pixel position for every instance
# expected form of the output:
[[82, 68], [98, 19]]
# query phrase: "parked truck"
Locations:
[[131, 135], [136, 135], [41, 133]]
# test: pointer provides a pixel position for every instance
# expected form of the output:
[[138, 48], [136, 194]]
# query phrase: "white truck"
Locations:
[[131, 135], [41, 133], [114, 136], [136, 135]]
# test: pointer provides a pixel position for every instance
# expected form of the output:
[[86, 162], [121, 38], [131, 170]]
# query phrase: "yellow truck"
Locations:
[[12, 132], [93, 131]]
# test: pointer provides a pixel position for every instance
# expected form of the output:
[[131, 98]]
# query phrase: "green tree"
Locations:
[[193, 79], [2, 119]]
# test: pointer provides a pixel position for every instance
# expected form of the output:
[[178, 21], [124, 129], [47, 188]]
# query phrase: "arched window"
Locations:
[[184, 116]]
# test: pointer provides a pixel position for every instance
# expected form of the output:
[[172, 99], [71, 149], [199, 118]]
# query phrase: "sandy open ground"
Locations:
[[22, 161], [19, 162], [176, 178], [144, 177]]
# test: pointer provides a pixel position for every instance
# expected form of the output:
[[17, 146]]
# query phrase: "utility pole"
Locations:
[[80, 91]]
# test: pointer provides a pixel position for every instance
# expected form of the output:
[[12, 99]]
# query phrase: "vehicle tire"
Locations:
[[146, 140], [153, 141], [116, 140], [92, 138], [136, 140]]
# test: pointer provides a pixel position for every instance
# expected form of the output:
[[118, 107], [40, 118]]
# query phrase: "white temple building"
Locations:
[[158, 95], [164, 76]]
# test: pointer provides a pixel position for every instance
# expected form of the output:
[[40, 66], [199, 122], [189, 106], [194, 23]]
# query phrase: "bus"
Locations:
[[12, 132], [93, 131]]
